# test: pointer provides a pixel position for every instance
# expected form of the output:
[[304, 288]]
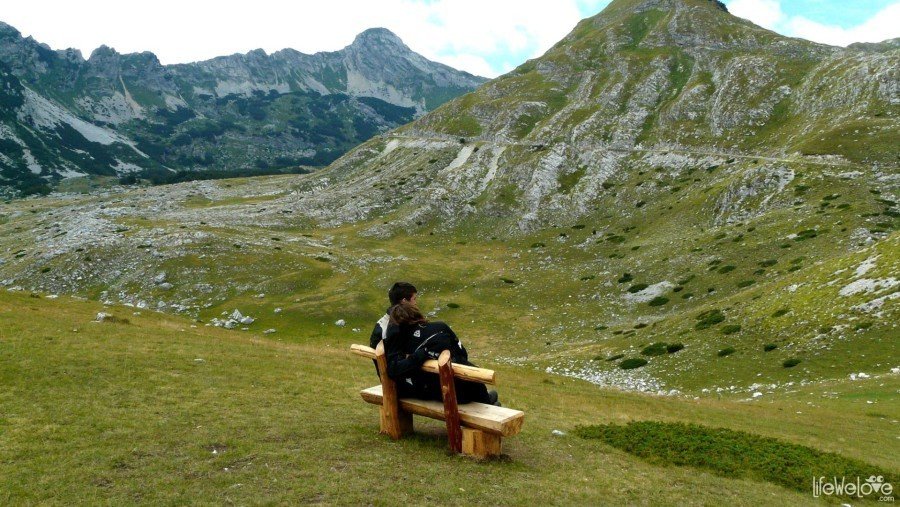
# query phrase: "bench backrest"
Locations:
[[460, 371]]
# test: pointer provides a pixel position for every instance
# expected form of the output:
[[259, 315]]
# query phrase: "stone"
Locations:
[[340, 323]]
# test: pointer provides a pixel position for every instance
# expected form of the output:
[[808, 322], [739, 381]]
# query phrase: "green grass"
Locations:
[[731, 453], [157, 411]]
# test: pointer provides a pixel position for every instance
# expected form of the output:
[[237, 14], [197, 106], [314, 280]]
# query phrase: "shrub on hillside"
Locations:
[[654, 349], [674, 347], [727, 351], [632, 363]]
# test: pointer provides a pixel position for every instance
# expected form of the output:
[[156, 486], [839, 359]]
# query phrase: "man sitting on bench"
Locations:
[[410, 340]]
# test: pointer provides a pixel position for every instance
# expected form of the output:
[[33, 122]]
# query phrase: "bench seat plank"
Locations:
[[492, 419]]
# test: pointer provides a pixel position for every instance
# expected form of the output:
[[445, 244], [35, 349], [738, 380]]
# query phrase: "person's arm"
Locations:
[[398, 363], [375, 337]]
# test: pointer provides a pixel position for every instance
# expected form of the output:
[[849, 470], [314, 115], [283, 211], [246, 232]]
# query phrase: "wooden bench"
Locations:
[[474, 429]]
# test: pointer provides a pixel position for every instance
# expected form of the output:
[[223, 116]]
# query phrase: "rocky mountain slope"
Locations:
[[115, 114], [669, 187], [669, 84]]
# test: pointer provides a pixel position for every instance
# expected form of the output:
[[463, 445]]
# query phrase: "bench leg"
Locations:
[[404, 424], [479, 443]]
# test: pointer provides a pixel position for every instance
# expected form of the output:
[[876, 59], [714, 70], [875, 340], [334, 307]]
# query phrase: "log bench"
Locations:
[[474, 429]]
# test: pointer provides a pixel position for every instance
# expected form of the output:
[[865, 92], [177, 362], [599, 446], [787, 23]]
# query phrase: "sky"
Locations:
[[484, 37]]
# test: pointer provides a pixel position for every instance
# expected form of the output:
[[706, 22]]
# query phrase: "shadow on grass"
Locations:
[[730, 453]]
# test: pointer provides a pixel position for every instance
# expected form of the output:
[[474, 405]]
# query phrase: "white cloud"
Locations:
[[481, 36], [768, 13], [765, 13], [884, 25]]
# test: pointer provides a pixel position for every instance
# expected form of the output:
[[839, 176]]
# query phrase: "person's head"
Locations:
[[402, 291], [406, 313]]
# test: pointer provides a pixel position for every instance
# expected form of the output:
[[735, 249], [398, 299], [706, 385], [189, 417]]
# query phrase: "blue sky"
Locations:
[[485, 37]]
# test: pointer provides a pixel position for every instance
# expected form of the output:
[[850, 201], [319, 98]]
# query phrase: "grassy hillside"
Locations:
[[148, 408]]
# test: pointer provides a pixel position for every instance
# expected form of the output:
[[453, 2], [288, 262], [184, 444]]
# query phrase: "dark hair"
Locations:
[[401, 291], [406, 313]]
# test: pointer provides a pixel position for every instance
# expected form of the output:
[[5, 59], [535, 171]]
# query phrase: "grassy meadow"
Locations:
[[153, 408]]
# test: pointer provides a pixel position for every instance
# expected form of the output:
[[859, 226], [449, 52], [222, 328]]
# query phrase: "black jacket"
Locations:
[[406, 347]]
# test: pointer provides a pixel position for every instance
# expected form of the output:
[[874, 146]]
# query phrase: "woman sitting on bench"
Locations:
[[410, 341]]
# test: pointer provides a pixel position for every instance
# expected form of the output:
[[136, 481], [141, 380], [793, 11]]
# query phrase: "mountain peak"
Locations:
[[378, 36], [103, 51], [8, 30]]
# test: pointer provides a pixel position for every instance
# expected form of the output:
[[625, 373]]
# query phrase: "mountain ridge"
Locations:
[[245, 112]]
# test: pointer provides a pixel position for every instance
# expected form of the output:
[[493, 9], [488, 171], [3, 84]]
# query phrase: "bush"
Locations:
[[745, 283], [768, 263], [452, 305], [615, 357], [658, 301], [507, 280], [655, 349], [727, 351], [538, 245], [728, 453], [790, 363], [626, 278], [769, 347], [637, 288], [632, 363], [727, 269], [781, 312], [731, 329], [709, 319], [674, 347]]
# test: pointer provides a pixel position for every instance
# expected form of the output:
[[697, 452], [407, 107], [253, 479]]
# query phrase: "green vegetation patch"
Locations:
[[655, 349], [658, 301], [731, 329], [709, 319], [790, 363], [632, 363], [729, 453], [674, 347]]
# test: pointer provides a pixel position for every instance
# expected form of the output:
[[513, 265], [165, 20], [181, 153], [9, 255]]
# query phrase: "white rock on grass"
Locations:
[[278, 310], [102, 316], [247, 320], [340, 323], [165, 286], [237, 315], [558, 433], [230, 324], [268, 331]]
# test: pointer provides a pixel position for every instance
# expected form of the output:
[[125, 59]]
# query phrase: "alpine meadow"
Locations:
[[674, 236]]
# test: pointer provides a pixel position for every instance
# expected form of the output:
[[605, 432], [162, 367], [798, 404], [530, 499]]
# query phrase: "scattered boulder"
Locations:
[[165, 286], [268, 331], [340, 323]]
